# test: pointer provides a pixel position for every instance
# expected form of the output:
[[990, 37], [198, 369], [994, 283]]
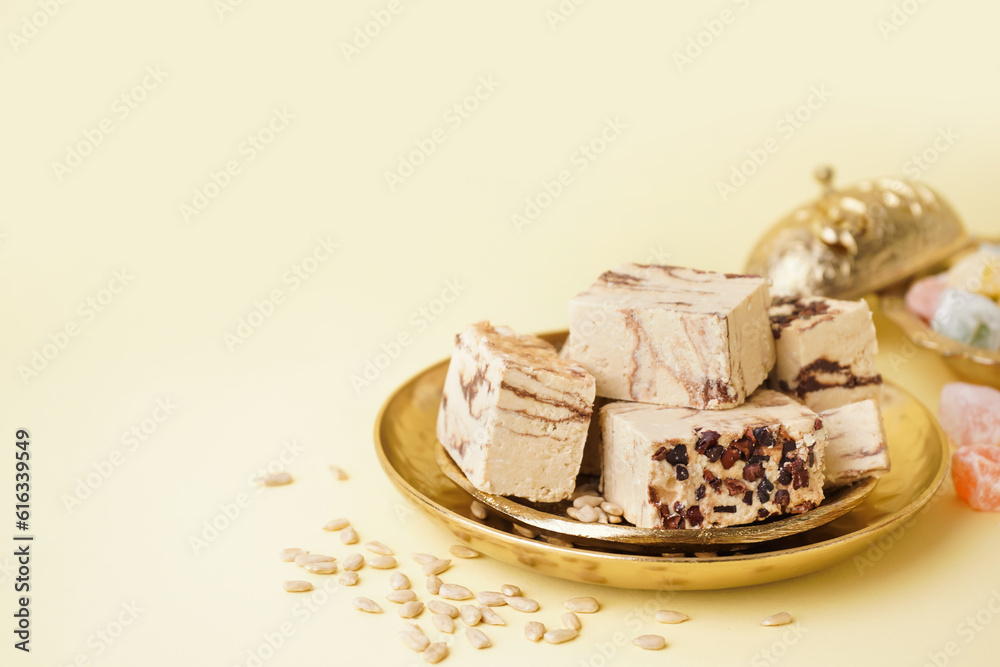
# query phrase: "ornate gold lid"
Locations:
[[858, 239]]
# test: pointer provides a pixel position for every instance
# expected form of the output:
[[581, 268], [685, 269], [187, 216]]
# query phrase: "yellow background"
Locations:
[[652, 195]]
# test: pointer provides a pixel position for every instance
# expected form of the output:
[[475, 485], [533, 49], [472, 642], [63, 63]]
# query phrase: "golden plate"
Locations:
[[405, 443], [972, 363], [643, 540]]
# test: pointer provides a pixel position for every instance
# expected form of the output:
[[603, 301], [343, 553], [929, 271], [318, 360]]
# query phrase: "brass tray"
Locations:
[[641, 540], [405, 443]]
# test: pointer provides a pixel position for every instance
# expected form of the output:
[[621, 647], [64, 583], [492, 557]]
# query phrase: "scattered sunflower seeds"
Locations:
[[336, 524], [491, 598], [526, 605], [377, 547], [462, 551], [587, 501], [275, 479], [437, 567], [478, 510], [288, 555], [434, 584], [534, 631], [781, 618], [650, 642], [298, 586], [560, 635], [349, 535], [338, 473], [477, 638], [435, 653], [456, 592], [328, 567], [366, 605], [511, 590], [582, 605], [587, 514], [306, 559], [414, 640], [571, 621], [411, 609], [398, 581], [443, 622], [399, 597], [423, 559], [348, 579], [470, 615], [667, 616], [439, 607], [490, 617], [382, 562], [353, 563]]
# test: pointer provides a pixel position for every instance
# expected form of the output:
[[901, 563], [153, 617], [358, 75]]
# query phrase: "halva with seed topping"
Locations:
[[685, 468], [514, 415], [673, 336]]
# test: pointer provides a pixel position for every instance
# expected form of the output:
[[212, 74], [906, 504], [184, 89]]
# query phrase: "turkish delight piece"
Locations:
[[969, 318], [978, 272], [673, 336], [924, 296], [970, 414], [975, 470], [514, 416], [686, 468]]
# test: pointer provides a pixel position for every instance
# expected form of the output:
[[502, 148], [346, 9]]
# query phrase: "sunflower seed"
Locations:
[[353, 563], [534, 630], [526, 605], [298, 586], [382, 562], [587, 501], [439, 607], [612, 509], [399, 597], [477, 638], [525, 532], [781, 618], [349, 535], [275, 479], [348, 579], [434, 584], [571, 621], [398, 581], [411, 609], [377, 547], [462, 551], [470, 615], [437, 567], [614, 519], [490, 598], [559, 542], [560, 635], [423, 559], [321, 568], [586, 514], [435, 653], [443, 622], [288, 555], [667, 616], [456, 592], [414, 640], [650, 642], [510, 590], [572, 513], [338, 473], [366, 604], [478, 510], [336, 524], [582, 605], [490, 617], [602, 516], [306, 559]]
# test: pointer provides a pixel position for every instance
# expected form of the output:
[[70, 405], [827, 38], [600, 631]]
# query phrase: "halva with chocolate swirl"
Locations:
[[673, 336], [825, 351], [855, 444], [514, 415], [685, 468]]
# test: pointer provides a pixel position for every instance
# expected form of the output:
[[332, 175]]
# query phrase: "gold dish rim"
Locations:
[[513, 540]]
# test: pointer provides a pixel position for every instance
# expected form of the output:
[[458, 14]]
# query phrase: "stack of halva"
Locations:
[[714, 405]]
